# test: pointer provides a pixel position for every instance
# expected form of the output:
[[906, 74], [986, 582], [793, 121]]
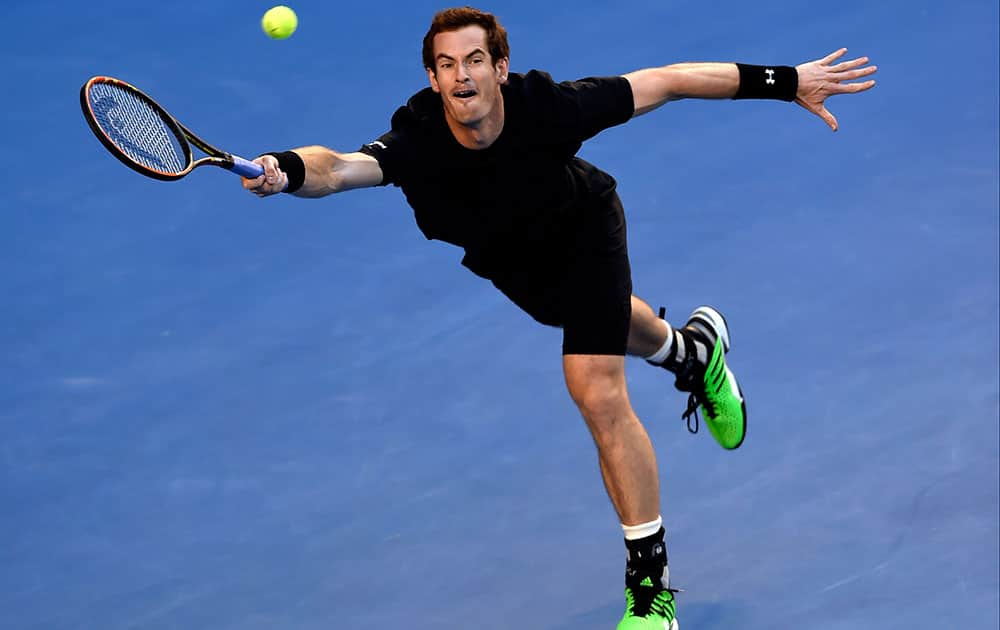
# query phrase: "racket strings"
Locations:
[[137, 129]]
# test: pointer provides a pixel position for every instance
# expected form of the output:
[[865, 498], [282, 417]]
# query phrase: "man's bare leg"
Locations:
[[646, 332], [628, 463]]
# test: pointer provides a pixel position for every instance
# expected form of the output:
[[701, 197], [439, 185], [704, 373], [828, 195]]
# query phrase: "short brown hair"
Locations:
[[460, 17]]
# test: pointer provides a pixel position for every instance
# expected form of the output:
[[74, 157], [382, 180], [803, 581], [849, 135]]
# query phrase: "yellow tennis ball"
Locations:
[[279, 22]]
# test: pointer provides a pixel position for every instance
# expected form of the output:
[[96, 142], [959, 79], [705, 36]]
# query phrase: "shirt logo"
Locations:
[[770, 77], [378, 144]]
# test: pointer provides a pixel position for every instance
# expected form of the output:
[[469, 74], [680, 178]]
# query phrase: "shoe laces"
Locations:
[[690, 379], [691, 413]]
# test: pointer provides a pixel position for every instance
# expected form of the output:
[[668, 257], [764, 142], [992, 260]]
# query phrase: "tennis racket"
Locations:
[[147, 139]]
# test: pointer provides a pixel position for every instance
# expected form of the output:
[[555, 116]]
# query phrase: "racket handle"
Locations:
[[246, 168]]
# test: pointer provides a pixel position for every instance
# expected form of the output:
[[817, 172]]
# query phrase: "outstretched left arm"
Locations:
[[817, 80]]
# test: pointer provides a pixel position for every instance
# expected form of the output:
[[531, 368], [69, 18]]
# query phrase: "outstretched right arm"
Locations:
[[326, 172]]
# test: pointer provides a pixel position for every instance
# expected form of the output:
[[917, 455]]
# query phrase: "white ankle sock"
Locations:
[[643, 530], [661, 355], [676, 338]]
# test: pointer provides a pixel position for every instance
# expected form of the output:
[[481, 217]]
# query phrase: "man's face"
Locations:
[[465, 76]]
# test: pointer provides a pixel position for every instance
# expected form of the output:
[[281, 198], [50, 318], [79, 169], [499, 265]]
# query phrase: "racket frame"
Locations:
[[184, 136]]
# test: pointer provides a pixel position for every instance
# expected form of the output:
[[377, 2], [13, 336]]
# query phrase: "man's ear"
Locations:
[[503, 69], [433, 79]]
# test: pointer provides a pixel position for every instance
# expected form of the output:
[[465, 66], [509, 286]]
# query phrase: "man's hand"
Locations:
[[819, 80], [273, 180]]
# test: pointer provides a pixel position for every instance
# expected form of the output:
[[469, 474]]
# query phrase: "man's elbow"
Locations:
[[652, 88]]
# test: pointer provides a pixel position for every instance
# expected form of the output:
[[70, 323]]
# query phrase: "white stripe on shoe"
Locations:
[[713, 320]]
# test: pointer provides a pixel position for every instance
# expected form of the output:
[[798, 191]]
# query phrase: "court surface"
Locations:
[[223, 412]]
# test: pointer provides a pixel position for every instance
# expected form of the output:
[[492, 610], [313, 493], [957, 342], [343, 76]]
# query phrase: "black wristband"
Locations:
[[776, 82], [291, 163]]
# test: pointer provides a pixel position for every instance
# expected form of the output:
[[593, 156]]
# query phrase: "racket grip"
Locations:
[[246, 168]]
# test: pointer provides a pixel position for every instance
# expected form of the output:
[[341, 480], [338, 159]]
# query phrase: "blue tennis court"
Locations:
[[223, 412]]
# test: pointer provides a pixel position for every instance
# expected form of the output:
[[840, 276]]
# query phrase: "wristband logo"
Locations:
[[770, 76]]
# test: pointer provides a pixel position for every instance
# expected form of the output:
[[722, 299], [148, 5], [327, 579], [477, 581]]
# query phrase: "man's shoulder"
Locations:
[[539, 85], [530, 80], [424, 102], [420, 108], [534, 90]]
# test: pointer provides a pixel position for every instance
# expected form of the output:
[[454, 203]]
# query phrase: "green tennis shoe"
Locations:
[[713, 387], [649, 607]]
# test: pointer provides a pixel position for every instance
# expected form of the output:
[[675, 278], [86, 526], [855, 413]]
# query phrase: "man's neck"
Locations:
[[483, 134]]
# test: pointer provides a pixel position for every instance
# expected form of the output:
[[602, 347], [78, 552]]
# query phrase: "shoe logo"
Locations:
[[770, 77], [718, 375]]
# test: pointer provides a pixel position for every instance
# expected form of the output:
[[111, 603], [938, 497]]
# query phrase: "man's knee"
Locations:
[[599, 391], [599, 399]]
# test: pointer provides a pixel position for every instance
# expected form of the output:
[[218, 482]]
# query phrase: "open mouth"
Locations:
[[464, 94]]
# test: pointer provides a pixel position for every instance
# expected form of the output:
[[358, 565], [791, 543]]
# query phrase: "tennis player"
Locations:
[[487, 160]]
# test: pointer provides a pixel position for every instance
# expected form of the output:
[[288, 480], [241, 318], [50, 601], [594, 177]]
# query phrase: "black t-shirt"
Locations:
[[516, 195]]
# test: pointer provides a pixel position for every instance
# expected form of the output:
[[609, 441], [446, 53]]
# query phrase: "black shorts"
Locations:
[[582, 284]]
